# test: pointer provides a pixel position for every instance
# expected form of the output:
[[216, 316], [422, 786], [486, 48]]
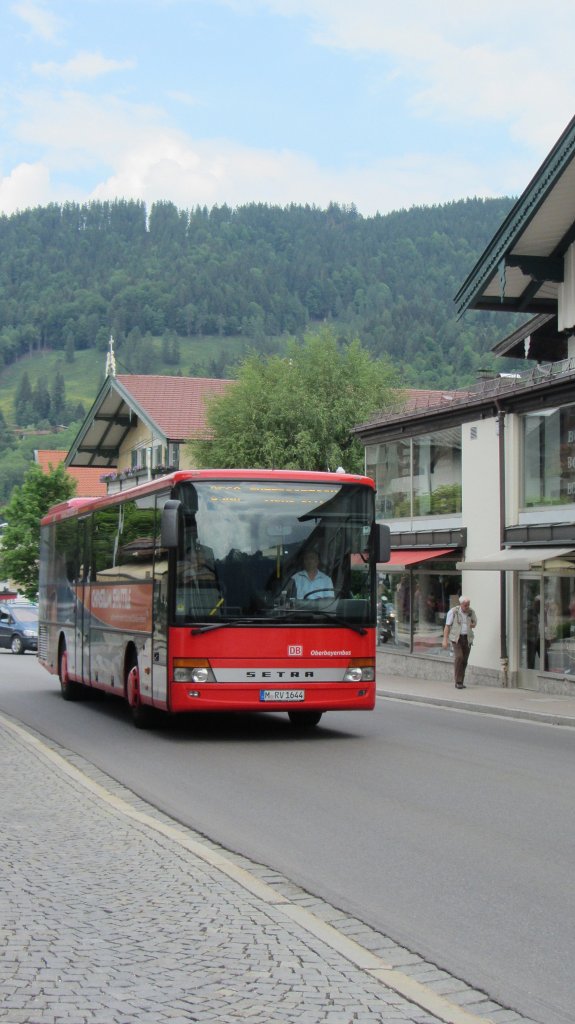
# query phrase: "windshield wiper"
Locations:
[[228, 622], [294, 615]]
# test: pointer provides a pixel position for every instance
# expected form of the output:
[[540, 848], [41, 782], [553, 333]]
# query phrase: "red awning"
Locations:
[[402, 558]]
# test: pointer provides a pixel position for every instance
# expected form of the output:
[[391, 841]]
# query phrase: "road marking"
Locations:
[[413, 991]]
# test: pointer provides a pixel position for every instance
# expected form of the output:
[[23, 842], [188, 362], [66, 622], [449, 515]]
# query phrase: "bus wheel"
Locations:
[[142, 714], [70, 689], [304, 719]]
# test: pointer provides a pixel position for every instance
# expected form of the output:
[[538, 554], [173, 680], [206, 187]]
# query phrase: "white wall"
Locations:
[[480, 499]]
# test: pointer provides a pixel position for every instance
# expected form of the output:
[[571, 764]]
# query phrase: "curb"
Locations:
[[484, 709]]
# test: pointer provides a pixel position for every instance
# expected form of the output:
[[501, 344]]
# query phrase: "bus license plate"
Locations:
[[283, 695]]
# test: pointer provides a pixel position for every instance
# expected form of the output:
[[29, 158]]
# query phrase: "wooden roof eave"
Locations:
[[470, 295], [116, 418], [81, 435], [547, 344]]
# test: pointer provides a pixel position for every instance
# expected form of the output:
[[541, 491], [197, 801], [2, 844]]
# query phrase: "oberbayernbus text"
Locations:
[[216, 590]]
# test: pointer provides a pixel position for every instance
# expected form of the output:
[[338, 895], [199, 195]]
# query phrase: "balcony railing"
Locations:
[[499, 386]]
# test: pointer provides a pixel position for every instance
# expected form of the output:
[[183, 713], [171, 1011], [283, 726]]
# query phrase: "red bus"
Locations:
[[216, 590]]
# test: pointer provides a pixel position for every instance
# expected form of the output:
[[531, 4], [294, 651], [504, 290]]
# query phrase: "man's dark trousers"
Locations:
[[461, 651]]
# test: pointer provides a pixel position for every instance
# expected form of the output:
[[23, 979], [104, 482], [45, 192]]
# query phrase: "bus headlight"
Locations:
[[360, 670], [193, 670]]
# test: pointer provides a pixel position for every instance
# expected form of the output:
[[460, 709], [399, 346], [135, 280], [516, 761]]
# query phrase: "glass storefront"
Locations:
[[547, 616], [413, 604], [419, 476]]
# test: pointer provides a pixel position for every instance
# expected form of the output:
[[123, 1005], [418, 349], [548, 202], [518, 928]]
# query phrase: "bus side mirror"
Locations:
[[170, 526], [382, 543]]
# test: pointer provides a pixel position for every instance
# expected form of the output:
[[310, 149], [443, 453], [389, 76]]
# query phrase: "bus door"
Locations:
[[160, 611], [83, 597]]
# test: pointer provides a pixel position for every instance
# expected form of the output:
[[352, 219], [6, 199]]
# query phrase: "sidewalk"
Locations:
[[554, 709], [113, 913]]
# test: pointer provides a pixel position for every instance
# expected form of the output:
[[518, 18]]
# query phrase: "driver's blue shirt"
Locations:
[[320, 586]]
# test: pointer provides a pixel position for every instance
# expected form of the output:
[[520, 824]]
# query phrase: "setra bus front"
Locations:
[[270, 593]]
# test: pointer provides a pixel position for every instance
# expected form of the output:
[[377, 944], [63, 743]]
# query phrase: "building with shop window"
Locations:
[[479, 488]]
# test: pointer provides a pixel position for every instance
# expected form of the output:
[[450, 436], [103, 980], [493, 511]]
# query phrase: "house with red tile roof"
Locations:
[[139, 424], [88, 482]]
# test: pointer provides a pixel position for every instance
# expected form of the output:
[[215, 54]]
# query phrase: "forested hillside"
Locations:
[[191, 291], [70, 275]]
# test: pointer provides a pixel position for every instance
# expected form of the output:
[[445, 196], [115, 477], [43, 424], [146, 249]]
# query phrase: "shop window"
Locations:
[[390, 466], [420, 476], [547, 615], [413, 605], [548, 476], [437, 473]]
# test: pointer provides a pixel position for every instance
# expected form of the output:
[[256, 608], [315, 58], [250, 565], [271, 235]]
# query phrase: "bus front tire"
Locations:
[[303, 720]]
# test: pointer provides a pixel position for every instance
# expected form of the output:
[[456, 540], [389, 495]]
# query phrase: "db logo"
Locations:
[[295, 651]]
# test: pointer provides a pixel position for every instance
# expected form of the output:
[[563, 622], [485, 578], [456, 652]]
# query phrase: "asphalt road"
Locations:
[[451, 832]]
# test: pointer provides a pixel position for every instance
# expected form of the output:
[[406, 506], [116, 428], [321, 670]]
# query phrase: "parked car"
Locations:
[[19, 626]]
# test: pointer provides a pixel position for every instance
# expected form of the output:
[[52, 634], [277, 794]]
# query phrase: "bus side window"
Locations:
[[104, 539]]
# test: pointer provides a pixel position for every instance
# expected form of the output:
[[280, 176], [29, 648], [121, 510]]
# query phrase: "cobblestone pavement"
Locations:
[[112, 913]]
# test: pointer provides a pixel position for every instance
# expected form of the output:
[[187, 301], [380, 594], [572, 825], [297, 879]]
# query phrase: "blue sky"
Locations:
[[377, 103]]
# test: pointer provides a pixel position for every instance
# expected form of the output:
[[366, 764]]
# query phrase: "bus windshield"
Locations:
[[274, 551]]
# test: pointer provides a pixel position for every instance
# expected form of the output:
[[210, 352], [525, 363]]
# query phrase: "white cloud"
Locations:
[[76, 130], [83, 66], [144, 157], [26, 186], [41, 21], [459, 65]]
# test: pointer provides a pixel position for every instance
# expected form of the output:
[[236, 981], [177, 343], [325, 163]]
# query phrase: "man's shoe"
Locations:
[[459, 686]]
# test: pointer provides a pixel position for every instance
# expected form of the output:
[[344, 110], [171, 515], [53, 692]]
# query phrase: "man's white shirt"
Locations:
[[319, 587]]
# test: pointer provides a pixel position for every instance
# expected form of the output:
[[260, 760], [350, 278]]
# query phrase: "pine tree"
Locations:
[[23, 405], [58, 400], [42, 401], [6, 436]]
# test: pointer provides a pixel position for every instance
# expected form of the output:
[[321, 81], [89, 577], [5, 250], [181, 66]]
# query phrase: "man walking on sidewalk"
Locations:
[[459, 625]]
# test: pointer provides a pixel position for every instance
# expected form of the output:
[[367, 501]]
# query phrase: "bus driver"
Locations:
[[311, 582]]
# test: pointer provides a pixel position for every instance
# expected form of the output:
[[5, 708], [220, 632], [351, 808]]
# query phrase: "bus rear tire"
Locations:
[[303, 720], [142, 714], [70, 689]]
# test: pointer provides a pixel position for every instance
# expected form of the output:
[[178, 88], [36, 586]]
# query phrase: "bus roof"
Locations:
[[75, 506]]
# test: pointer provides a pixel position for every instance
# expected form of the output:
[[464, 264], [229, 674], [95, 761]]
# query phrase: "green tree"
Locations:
[[6, 436], [58, 399], [70, 345], [42, 401], [297, 411], [13, 466], [23, 404], [21, 538]]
